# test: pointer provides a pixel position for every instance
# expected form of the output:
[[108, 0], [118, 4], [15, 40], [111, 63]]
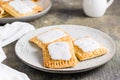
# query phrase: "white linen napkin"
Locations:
[[2, 54], [8, 34], [12, 32], [7, 73]]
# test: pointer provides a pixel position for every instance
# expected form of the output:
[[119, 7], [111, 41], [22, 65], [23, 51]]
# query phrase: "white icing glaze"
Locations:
[[87, 44], [30, 3], [59, 51], [20, 6], [51, 36]]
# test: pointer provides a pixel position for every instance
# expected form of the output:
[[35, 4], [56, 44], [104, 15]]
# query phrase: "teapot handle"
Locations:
[[109, 3]]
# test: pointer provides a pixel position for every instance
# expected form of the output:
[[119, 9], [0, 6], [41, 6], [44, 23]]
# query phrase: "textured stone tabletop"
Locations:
[[70, 12]]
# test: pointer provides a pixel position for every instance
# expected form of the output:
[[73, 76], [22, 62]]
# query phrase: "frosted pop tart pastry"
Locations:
[[87, 48], [57, 47], [17, 8]]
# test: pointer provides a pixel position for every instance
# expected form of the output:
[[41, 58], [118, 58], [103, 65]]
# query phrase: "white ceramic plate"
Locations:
[[46, 4], [32, 56]]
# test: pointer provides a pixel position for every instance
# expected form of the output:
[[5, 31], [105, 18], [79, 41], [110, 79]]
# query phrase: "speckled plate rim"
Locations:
[[28, 18], [99, 63]]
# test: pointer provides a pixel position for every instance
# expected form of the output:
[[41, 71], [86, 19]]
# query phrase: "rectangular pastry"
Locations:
[[17, 8], [57, 47], [87, 48]]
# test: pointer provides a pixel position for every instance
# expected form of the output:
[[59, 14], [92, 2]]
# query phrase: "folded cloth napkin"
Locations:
[[7, 73], [8, 34], [2, 54], [12, 32]]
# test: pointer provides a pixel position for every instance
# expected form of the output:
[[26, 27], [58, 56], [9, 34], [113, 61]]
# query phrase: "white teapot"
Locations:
[[96, 8]]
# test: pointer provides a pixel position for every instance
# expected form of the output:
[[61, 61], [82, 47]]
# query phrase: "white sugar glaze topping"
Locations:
[[87, 44], [51, 36], [20, 6], [59, 51], [30, 3]]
